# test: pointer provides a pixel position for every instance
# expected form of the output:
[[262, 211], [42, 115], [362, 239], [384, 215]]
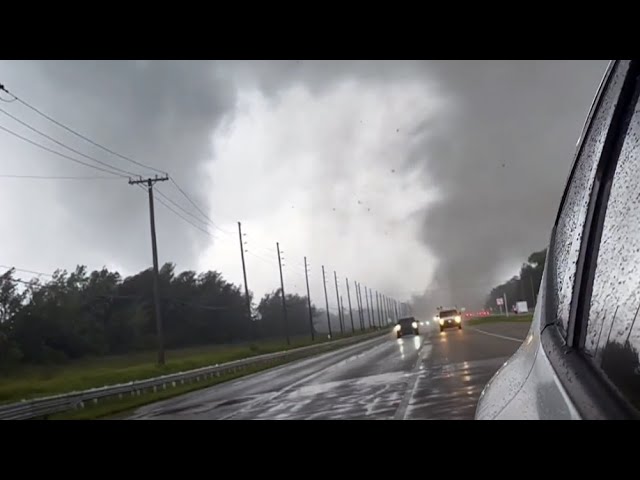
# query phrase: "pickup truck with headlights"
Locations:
[[449, 318]]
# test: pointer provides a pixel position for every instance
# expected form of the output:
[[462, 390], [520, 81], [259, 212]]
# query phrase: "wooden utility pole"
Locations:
[[335, 278], [244, 274], [366, 298], [373, 311], [306, 276], [149, 182], [350, 310], [326, 301], [284, 302], [360, 306]]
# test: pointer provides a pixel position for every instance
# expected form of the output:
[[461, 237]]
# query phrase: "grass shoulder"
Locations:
[[525, 318], [33, 381]]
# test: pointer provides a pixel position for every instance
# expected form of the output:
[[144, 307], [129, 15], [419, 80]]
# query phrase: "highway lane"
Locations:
[[431, 376]]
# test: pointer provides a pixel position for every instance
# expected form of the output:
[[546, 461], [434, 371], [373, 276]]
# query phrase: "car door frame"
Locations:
[[594, 397]]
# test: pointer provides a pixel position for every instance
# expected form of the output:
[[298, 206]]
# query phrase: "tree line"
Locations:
[[78, 314], [522, 287]]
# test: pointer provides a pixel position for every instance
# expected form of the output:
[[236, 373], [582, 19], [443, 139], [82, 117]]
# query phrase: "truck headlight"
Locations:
[[458, 319], [441, 322], [396, 328], [414, 324]]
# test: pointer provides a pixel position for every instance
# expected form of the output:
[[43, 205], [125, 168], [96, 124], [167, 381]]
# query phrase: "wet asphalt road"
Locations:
[[431, 376]]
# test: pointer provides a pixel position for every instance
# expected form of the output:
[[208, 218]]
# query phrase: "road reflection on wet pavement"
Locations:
[[436, 375]]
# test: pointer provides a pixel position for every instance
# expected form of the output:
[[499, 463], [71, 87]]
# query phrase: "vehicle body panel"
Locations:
[[526, 387]]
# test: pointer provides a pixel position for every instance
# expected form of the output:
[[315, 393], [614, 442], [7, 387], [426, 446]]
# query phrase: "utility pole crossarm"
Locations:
[[149, 181]]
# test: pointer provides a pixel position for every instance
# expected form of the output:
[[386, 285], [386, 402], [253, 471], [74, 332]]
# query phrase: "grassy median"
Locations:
[[27, 382], [525, 318]]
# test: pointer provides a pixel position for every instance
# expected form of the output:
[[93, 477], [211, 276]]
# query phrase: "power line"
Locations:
[[179, 215], [55, 152], [25, 270], [197, 207], [70, 130], [45, 177], [89, 157], [270, 261], [180, 207]]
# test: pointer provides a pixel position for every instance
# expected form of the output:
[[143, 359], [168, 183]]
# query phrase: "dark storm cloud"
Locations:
[[498, 159], [501, 166], [159, 113]]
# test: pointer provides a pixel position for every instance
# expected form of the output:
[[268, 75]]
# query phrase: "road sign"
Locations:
[[499, 301]]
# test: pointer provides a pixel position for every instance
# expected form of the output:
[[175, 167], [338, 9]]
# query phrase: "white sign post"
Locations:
[[499, 302]]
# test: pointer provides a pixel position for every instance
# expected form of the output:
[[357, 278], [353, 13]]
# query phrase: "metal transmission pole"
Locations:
[[342, 310], [366, 298], [306, 275], [378, 308], [335, 278], [326, 301], [350, 311], [284, 302], [244, 274], [156, 283]]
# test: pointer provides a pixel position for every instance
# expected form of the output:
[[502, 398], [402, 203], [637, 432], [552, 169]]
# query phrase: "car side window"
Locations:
[[613, 331], [567, 239]]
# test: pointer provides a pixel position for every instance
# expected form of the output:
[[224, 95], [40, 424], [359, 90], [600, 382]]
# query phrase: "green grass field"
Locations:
[[33, 381], [117, 408], [500, 318]]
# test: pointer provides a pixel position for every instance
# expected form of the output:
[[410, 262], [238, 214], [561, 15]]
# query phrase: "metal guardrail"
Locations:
[[42, 407]]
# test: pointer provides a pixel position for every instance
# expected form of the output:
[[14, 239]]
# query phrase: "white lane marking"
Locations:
[[401, 412], [519, 340]]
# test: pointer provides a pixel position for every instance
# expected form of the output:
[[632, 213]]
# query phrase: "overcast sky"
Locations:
[[434, 179]]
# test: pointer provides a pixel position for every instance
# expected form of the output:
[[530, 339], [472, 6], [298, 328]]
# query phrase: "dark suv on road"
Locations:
[[580, 359], [406, 326]]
